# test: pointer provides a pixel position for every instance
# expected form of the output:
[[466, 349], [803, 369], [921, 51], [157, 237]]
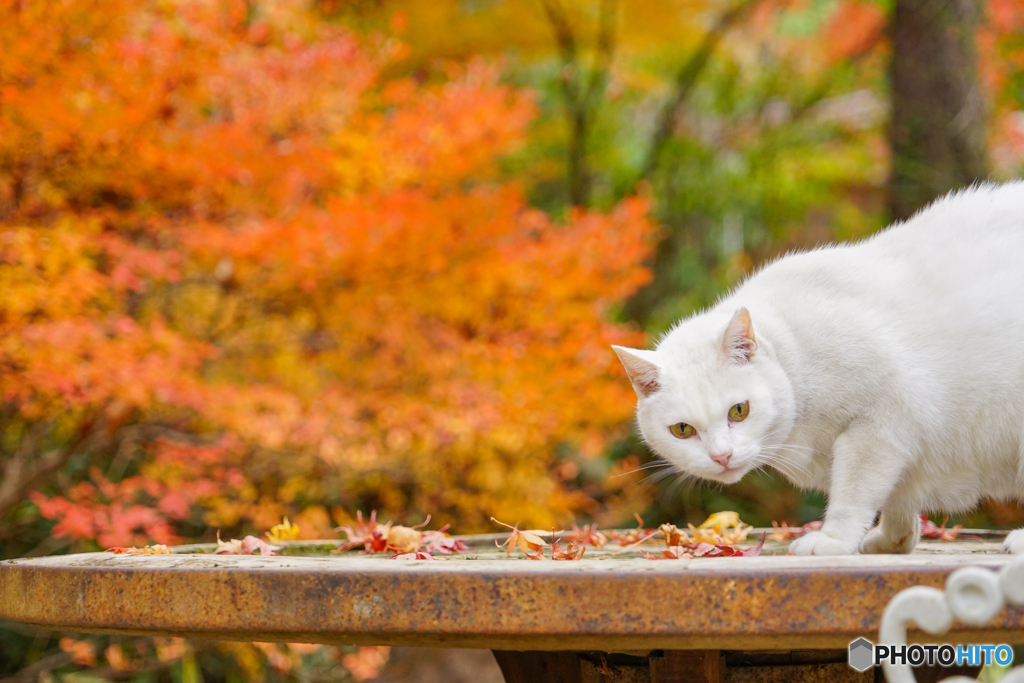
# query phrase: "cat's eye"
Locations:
[[681, 430], [739, 412]]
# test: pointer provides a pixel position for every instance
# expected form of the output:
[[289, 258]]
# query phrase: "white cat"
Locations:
[[888, 373]]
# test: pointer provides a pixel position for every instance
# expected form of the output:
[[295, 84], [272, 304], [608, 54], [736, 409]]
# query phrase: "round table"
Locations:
[[615, 614]]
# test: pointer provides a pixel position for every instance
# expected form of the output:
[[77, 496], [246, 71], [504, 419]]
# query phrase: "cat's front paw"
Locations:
[[820, 543], [877, 541], [1014, 542]]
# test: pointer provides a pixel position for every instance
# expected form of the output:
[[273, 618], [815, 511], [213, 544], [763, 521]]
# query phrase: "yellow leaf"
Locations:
[[285, 531], [720, 521]]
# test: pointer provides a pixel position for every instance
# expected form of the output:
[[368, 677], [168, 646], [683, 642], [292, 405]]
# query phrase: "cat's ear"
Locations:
[[739, 342], [642, 370]]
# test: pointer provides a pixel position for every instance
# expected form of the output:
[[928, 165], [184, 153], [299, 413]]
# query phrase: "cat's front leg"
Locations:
[[898, 532], [865, 469]]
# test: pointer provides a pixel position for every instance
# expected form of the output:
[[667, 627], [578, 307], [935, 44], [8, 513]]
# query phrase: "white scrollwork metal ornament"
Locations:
[[973, 596]]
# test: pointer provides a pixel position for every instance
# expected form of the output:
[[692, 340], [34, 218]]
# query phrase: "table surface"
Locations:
[[609, 601]]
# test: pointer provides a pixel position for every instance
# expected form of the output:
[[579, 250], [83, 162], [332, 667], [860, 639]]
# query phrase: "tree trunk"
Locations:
[[937, 131]]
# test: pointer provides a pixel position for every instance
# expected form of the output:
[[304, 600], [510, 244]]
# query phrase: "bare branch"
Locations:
[[581, 101], [35, 671], [566, 40], [24, 471], [604, 54], [27, 470], [685, 80]]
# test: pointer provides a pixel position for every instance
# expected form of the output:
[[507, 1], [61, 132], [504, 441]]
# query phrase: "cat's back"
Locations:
[[952, 253], [930, 307], [981, 222]]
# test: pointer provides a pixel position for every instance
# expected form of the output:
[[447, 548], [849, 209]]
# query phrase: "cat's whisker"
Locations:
[[781, 457], [791, 469], [779, 454], [758, 467], [775, 458], [655, 477], [648, 466], [796, 448], [672, 490]]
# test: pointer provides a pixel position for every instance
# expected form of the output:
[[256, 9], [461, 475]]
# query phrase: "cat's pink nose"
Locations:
[[722, 458]]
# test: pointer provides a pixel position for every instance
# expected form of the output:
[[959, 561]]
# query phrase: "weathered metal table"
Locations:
[[604, 618]]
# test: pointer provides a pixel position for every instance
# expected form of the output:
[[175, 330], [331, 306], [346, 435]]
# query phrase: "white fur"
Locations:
[[888, 373]]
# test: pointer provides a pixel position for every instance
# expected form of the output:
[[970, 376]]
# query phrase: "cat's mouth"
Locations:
[[731, 475]]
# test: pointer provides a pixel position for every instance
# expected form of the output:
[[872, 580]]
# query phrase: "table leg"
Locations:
[[597, 667], [696, 666], [688, 666], [539, 667]]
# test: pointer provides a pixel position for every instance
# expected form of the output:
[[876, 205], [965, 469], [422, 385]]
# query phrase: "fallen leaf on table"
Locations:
[[391, 538], [787, 533], [440, 542], [417, 555], [404, 538], [709, 550], [369, 534], [573, 552], [247, 546], [720, 521], [526, 540], [633, 536], [285, 531], [148, 550], [588, 534], [721, 528], [756, 550], [678, 552], [930, 529], [673, 553], [672, 535]]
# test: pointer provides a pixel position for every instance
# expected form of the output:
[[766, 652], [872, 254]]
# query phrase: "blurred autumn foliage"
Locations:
[[245, 276], [263, 258]]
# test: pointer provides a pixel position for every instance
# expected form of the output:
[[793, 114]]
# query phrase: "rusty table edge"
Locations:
[[620, 605]]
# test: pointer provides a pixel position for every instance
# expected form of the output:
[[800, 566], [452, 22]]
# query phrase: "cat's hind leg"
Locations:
[[1014, 542], [897, 532]]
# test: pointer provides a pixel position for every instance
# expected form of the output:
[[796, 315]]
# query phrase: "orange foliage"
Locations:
[[1001, 62], [854, 28], [272, 280]]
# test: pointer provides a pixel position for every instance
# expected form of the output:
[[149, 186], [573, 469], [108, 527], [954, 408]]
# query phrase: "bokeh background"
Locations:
[[268, 258]]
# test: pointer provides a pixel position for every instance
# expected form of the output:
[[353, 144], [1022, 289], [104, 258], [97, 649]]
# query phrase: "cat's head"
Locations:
[[711, 402]]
